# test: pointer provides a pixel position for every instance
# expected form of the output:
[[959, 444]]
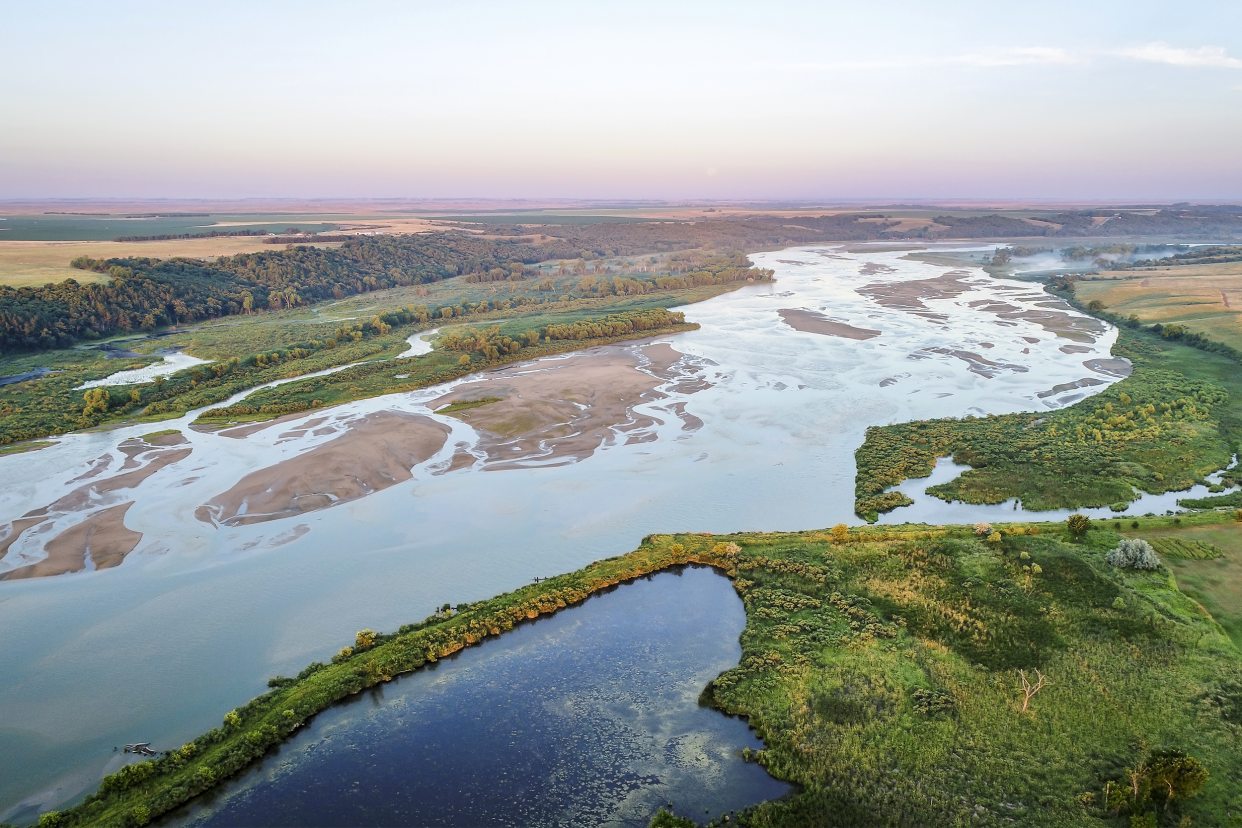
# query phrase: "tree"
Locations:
[[365, 639], [840, 533], [1029, 690], [1175, 775]]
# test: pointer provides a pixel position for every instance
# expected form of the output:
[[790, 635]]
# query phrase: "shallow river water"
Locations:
[[195, 620]]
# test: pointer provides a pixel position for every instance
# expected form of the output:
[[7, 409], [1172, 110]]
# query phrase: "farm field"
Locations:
[[1206, 299]]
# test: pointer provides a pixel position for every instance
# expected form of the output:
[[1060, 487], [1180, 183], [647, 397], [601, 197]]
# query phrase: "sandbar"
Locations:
[[816, 323], [561, 410], [103, 536], [378, 451]]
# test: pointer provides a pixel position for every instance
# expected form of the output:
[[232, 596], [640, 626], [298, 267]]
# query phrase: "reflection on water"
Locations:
[[588, 717]]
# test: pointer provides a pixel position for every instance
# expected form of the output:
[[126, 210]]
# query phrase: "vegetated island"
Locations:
[[909, 675], [255, 349], [1175, 419]]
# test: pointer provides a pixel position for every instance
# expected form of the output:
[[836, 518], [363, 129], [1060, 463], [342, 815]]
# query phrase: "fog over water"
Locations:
[[198, 617]]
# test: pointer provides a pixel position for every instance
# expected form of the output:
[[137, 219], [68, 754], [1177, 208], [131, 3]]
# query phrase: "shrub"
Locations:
[[1078, 524], [1133, 553]]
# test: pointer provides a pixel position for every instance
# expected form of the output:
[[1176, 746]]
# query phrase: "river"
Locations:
[[199, 616]]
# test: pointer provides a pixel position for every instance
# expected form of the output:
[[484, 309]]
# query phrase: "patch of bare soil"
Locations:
[[871, 269], [1119, 367], [377, 452], [816, 323], [560, 410], [103, 537], [177, 439]]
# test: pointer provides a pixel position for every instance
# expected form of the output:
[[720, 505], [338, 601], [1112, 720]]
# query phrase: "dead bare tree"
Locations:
[[1029, 690]]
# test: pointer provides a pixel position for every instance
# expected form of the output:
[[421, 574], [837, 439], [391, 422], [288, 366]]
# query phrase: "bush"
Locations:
[[1078, 524], [1133, 553]]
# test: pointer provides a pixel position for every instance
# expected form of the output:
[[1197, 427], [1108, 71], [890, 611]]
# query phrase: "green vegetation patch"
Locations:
[[898, 675], [1162, 429], [460, 351], [21, 448], [1185, 548], [463, 405]]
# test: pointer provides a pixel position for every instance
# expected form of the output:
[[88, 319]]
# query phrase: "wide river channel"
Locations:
[[757, 432]]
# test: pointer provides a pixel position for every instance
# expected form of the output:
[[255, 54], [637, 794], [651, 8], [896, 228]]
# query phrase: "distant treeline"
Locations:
[[1190, 222], [148, 293], [171, 236]]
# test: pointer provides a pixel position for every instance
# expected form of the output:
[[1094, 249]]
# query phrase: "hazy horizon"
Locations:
[[1124, 102]]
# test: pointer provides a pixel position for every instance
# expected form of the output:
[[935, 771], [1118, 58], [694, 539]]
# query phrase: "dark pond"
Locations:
[[589, 717]]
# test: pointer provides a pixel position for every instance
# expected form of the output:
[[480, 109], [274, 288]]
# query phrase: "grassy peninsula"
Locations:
[[883, 668]]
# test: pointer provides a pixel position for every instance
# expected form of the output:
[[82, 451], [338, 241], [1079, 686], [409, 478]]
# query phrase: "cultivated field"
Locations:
[[1207, 299]]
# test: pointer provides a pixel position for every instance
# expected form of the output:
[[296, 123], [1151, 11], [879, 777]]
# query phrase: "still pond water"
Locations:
[[589, 717]]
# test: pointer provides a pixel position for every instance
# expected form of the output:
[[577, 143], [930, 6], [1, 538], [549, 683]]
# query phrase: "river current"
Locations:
[[198, 617]]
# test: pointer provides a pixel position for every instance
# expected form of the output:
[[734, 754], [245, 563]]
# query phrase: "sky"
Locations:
[[638, 100]]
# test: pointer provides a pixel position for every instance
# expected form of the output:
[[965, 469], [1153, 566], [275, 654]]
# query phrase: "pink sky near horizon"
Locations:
[[1131, 101]]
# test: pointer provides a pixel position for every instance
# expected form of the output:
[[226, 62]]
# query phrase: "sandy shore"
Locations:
[[103, 537], [561, 410], [377, 452], [816, 323]]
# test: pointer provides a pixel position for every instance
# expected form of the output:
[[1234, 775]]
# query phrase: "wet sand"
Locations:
[[377, 452], [83, 498], [909, 296], [103, 537], [238, 432], [1051, 315], [811, 322], [559, 411]]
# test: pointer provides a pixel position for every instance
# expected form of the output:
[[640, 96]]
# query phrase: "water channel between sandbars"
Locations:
[[589, 717], [198, 617]]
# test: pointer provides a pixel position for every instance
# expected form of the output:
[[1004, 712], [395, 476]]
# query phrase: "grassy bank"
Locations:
[[1177, 418], [881, 668]]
